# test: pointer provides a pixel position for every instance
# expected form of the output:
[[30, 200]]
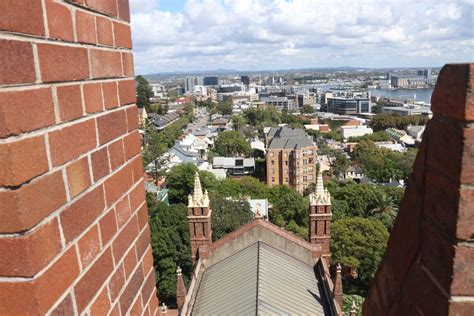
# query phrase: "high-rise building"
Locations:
[[189, 83], [211, 81], [291, 158], [245, 80]]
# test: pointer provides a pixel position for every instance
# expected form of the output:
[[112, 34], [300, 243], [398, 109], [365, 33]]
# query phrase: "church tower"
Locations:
[[320, 217], [199, 219]]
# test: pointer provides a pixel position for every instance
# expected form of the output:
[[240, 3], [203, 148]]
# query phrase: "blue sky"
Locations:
[[194, 35]]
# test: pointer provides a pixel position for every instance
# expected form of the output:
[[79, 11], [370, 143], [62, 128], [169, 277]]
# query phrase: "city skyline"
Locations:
[[203, 35]]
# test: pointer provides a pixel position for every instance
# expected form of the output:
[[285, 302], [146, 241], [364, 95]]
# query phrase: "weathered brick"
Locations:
[[85, 28], [108, 7], [93, 97], [111, 126], [23, 208], [108, 226], [463, 272], [117, 185], [137, 169], [124, 239], [22, 290], [123, 35], [132, 118], [18, 114], [101, 304], [70, 102], [26, 255], [110, 92], [116, 154], [132, 144], [22, 16], [63, 63], [124, 10], [17, 62], [127, 91], [131, 290], [77, 217], [89, 246], [147, 265], [94, 278], [105, 64], [78, 176], [137, 307], [104, 31], [72, 141], [149, 284], [465, 224], [142, 242], [130, 262], [100, 163], [22, 160], [59, 21], [116, 283], [64, 308], [127, 64], [137, 196], [122, 211], [142, 216]]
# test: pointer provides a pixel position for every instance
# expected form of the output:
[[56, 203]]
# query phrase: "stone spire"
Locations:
[[163, 309], [320, 196], [198, 199], [337, 290], [353, 311], [180, 289]]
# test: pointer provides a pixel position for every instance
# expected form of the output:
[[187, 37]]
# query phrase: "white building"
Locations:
[[355, 131]]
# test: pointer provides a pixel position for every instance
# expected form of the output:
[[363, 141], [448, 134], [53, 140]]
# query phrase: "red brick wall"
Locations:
[[74, 236], [428, 268]]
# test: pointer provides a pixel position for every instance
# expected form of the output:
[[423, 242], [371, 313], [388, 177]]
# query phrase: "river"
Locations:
[[402, 95]]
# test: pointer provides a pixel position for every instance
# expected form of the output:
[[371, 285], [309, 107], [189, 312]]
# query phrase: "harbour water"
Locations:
[[402, 95]]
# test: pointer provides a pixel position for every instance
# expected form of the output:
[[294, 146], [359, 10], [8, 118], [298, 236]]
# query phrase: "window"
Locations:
[[273, 162], [273, 179], [286, 163], [305, 178], [305, 161], [271, 154], [272, 171]]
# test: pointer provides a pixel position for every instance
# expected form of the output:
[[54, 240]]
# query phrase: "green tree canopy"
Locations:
[[360, 243], [231, 144], [381, 122], [144, 92], [307, 109], [224, 108]]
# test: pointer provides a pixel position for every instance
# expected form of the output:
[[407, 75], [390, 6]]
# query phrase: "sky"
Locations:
[[206, 35]]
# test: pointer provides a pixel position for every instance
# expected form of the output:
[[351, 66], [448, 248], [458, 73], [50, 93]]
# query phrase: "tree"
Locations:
[[381, 122], [307, 109], [144, 92], [238, 121], [228, 215], [360, 243], [170, 246], [224, 108], [231, 144], [180, 182], [385, 210]]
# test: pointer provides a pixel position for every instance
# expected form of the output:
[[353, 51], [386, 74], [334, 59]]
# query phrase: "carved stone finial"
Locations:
[[163, 308], [178, 271]]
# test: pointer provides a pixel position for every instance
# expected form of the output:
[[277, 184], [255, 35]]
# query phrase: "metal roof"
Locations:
[[260, 280]]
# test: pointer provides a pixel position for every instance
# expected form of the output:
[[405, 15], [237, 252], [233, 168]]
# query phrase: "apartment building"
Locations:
[[291, 158]]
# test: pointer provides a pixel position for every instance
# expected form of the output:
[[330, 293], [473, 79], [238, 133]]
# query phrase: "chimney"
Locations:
[[320, 217], [180, 289], [337, 290], [199, 219]]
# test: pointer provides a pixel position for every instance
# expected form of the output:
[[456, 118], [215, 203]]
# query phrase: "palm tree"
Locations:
[[385, 210]]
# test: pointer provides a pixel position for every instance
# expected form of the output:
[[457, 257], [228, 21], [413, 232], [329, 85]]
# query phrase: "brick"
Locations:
[[90, 283], [147, 263], [143, 242], [127, 91], [89, 246], [101, 304], [18, 114], [137, 196], [154, 304], [122, 211], [22, 16], [26, 255], [142, 216], [124, 10], [137, 307], [110, 92], [17, 62], [108, 7], [116, 154], [78, 176], [23, 292], [148, 286], [108, 226], [132, 118], [85, 28], [70, 102], [132, 144], [450, 96], [123, 35], [64, 308], [463, 272], [104, 31], [105, 64], [130, 262], [115, 310], [49, 287], [460, 308], [100, 164], [116, 283], [62, 63], [80, 215], [111, 126], [124, 239], [22, 160], [465, 224], [23, 208], [72, 141], [93, 97], [117, 185], [131, 290], [59, 21], [127, 64]]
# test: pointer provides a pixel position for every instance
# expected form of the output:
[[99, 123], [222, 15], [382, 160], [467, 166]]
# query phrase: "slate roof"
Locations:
[[262, 280], [289, 138]]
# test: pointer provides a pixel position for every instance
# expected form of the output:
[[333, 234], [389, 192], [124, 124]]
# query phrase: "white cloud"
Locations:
[[272, 34]]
